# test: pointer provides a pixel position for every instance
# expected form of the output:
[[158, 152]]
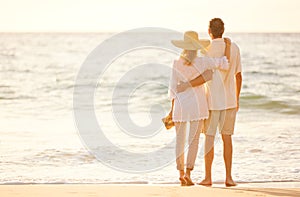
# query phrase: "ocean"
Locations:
[[41, 143]]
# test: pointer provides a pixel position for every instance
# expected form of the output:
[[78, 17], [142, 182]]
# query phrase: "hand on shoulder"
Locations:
[[227, 41]]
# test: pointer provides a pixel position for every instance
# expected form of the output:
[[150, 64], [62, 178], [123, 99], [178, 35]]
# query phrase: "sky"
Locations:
[[119, 15]]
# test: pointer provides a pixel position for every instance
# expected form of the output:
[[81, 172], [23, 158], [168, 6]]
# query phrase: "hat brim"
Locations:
[[193, 45]]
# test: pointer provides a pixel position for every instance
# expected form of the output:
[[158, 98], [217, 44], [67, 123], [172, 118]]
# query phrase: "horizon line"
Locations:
[[115, 31]]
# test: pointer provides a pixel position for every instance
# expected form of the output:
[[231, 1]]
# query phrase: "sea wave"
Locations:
[[38, 73], [254, 101]]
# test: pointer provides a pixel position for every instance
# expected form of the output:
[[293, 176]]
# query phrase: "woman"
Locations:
[[191, 105]]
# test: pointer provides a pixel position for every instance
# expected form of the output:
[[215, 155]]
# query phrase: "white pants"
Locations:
[[193, 140]]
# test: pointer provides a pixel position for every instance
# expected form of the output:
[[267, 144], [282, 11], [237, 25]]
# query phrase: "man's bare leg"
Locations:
[[227, 154], [209, 157]]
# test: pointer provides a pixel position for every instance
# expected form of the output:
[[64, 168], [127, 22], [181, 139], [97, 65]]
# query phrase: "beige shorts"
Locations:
[[222, 119]]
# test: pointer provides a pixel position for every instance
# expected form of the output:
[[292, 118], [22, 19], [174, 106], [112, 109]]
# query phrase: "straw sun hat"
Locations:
[[192, 42]]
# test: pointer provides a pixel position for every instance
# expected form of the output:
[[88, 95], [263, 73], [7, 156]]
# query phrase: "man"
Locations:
[[223, 93]]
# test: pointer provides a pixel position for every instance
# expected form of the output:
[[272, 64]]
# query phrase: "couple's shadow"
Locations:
[[290, 192]]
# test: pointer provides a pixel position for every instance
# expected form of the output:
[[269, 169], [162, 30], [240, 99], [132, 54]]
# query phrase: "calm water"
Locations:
[[40, 143]]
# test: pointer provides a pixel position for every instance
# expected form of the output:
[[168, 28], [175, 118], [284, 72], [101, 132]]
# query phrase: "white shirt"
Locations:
[[221, 90], [192, 104]]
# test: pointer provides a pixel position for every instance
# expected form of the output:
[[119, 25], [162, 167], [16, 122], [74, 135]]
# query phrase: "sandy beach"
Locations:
[[84, 86], [138, 190]]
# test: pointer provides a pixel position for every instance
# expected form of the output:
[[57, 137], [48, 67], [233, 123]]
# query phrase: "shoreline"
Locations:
[[137, 190], [219, 184]]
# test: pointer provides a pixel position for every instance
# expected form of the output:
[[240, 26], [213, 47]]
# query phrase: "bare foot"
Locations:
[[205, 182], [182, 181], [188, 180], [230, 183]]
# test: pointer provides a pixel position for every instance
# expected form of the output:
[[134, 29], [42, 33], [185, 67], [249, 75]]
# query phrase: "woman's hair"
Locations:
[[188, 56]]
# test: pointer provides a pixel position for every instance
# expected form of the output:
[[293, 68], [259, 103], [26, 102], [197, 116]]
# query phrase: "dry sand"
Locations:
[[139, 190]]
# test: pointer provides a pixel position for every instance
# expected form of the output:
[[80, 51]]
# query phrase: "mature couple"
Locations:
[[205, 92]]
